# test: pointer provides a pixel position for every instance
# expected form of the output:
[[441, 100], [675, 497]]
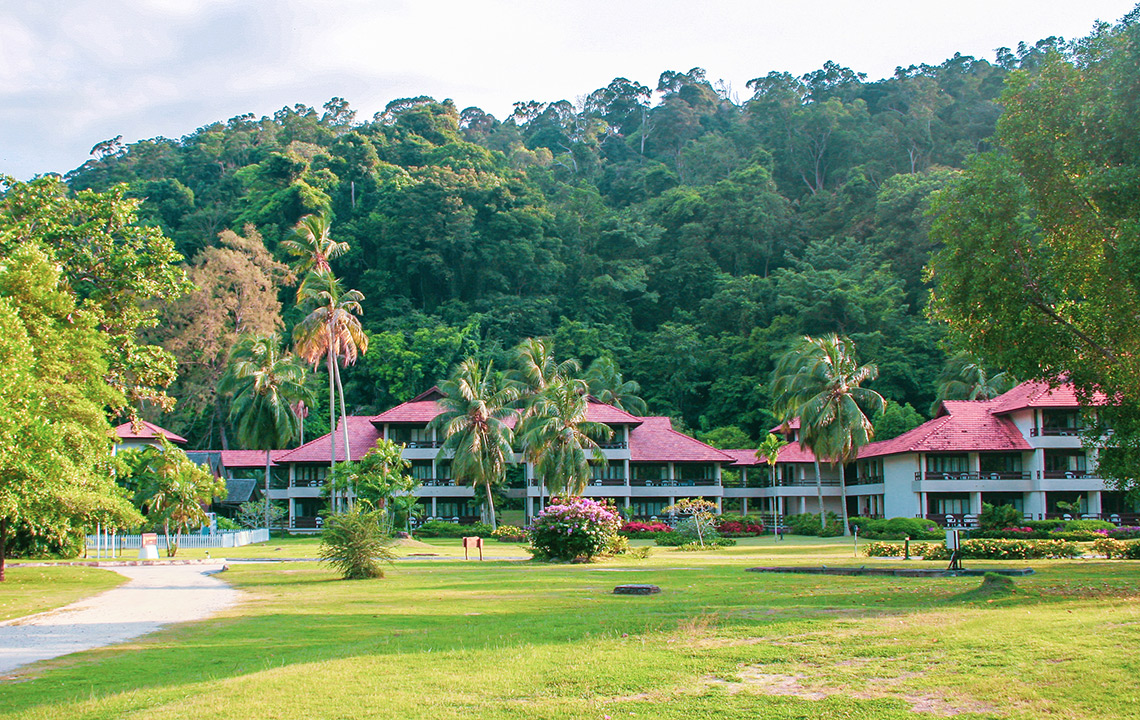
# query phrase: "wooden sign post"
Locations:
[[148, 547], [472, 542]]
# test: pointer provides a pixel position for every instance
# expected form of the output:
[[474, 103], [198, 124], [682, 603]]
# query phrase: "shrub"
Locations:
[[739, 528], [353, 541], [669, 539], [441, 529], [644, 531], [1076, 525], [883, 549], [716, 544], [576, 528], [509, 533], [224, 523], [697, 529], [808, 524], [618, 545], [640, 553], [987, 549], [994, 517], [1123, 533], [1110, 548], [896, 528]]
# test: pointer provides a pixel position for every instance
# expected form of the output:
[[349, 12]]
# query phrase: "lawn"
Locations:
[[30, 590], [442, 638]]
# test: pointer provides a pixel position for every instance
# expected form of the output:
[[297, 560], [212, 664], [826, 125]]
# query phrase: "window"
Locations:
[[310, 475], [1060, 422], [410, 435], [1061, 462], [421, 470], [649, 508], [607, 472], [694, 471], [956, 463], [447, 509], [649, 471], [1000, 462], [949, 503]]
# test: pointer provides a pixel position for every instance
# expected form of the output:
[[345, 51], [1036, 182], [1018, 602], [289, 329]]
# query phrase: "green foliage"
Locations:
[[574, 529], [252, 514], [999, 517], [896, 528], [354, 542], [377, 477], [441, 529], [509, 533], [726, 438], [895, 419], [809, 524], [226, 524]]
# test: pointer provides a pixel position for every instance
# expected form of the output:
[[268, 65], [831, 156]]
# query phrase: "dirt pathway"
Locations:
[[154, 596]]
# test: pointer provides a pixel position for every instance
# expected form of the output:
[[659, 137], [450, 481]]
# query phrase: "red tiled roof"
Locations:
[[793, 424], [413, 411], [609, 414], [362, 437], [744, 457], [250, 458], [1036, 395], [968, 426], [148, 431], [793, 453], [655, 440]]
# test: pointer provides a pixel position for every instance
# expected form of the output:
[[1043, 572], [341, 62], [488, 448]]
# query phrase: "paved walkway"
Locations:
[[155, 596]]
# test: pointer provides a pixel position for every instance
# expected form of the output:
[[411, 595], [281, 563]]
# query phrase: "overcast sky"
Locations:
[[76, 72]]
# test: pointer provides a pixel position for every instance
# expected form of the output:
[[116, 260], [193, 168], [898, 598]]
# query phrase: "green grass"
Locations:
[[30, 590], [441, 638]]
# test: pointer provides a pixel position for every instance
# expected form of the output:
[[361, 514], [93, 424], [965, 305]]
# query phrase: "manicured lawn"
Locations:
[[30, 590], [441, 638]]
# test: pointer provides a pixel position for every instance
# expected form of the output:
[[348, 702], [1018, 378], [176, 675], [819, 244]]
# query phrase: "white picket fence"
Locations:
[[224, 539]]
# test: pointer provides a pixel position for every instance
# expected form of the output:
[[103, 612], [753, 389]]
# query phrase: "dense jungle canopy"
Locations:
[[687, 231]]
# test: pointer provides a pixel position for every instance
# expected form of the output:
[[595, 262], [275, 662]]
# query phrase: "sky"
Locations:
[[76, 72]]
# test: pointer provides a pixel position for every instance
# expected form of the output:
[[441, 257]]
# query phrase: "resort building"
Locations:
[[136, 436]]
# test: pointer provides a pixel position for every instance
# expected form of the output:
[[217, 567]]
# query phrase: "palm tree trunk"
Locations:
[[819, 494], [343, 412], [490, 505], [3, 546], [843, 497], [332, 430], [266, 498]]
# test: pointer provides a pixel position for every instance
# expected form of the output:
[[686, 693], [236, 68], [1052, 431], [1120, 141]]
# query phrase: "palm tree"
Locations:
[[819, 382], [559, 440], [331, 332], [309, 241], [607, 386], [474, 426], [769, 452], [964, 378], [267, 388]]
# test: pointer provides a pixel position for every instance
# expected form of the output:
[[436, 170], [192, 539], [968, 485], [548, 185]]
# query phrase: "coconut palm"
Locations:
[[607, 385], [560, 441], [310, 243], [819, 382], [964, 378], [267, 386], [474, 424], [331, 332], [769, 452]]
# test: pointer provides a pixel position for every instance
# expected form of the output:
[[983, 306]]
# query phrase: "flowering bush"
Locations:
[[574, 528], [983, 549], [1122, 533], [1118, 549], [509, 533], [643, 530], [739, 528]]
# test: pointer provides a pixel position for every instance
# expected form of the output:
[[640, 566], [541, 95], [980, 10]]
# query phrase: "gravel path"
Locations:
[[155, 596]]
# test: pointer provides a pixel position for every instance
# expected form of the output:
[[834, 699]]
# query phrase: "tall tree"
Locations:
[[560, 440], [607, 385], [474, 422], [266, 385], [819, 381], [331, 332], [313, 247], [965, 378]]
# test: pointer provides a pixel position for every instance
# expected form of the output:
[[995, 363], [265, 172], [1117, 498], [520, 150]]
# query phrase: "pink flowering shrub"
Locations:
[[574, 529], [644, 530]]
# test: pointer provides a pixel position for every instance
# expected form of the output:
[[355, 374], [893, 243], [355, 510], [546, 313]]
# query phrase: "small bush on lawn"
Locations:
[[1117, 549], [996, 517], [739, 528], [644, 530], [883, 549], [574, 529], [716, 544], [619, 545], [353, 542], [441, 529], [896, 528], [509, 533], [986, 549]]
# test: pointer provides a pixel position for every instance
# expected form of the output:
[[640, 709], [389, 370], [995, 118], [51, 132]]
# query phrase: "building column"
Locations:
[[1094, 503], [744, 505], [434, 514], [627, 504], [976, 503], [803, 504], [529, 508], [719, 504], [1035, 504], [625, 463], [292, 512], [921, 505]]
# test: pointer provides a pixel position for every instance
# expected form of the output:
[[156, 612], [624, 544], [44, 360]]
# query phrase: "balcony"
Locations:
[[705, 482], [1055, 431], [607, 482], [866, 480], [1005, 475], [308, 483], [613, 445], [437, 482], [1066, 474], [422, 444], [806, 482]]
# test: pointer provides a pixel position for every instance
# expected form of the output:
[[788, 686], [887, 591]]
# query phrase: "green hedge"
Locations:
[[982, 549], [897, 528], [808, 524], [440, 529]]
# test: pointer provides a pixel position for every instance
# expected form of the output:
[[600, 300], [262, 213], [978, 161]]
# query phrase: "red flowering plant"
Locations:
[[574, 529]]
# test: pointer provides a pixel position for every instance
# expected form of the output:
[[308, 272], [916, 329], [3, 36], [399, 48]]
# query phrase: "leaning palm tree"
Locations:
[[310, 243], [607, 385], [819, 382], [965, 378], [331, 332], [560, 441], [474, 423], [267, 386]]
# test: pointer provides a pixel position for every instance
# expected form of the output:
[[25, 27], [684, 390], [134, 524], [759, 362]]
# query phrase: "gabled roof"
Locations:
[[249, 458], [793, 453], [1036, 395], [967, 426], [147, 431], [362, 437], [597, 411], [655, 440], [239, 491], [782, 428], [744, 457], [421, 409]]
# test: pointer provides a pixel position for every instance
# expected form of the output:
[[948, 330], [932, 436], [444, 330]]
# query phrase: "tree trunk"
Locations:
[[819, 494], [490, 506], [266, 498], [343, 413], [332, 430], [3, 547], [843, 497]]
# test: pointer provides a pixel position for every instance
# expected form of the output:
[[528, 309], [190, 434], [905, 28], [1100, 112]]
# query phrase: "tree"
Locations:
[[607, 385], [964, 378], [769, 452], [559, 439], [171, 489], [253, 513], [474, 426], [55, 448], [895, 419], [353, 541], [1039, 270], [329, 332], [266, 385], [819, 381], [377, 477], [311, 244]]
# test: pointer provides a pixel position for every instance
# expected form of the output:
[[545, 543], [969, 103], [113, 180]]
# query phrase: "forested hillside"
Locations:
[[688, 232]]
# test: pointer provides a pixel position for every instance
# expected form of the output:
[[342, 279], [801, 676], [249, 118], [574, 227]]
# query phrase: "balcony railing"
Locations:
[[306, 522], [1066, 474], [607, 482], [1055, 431], [613, 445], [308, 483], [806, 482], [1004, 475], [866, 480], [437, 482], [641, 482], [422, 444]]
